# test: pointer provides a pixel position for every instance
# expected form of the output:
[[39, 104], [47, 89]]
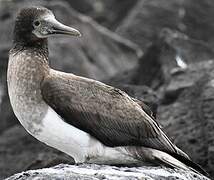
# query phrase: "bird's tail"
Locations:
[[191, 165], [178, 161]]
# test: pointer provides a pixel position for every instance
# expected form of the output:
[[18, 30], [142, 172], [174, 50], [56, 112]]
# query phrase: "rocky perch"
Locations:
[[92, 171]]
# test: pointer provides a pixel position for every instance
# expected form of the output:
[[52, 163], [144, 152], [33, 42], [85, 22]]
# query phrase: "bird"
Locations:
[[84, 118]]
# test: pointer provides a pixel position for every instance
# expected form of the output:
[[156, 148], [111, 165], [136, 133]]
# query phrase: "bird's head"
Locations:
[[37, 23]]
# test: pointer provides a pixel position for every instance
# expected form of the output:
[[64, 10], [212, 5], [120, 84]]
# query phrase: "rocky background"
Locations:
[[159, 51]]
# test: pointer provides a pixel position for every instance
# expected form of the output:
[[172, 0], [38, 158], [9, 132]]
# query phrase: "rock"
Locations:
[[19, 151], [108, 13], [187, 112], [155, 66], [190, 50], [185, 79], [7, 117], [98, 54], [191, 18], [91, 171]]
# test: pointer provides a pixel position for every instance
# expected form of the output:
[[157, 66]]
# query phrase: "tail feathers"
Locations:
[[192, 165], [178, 161]]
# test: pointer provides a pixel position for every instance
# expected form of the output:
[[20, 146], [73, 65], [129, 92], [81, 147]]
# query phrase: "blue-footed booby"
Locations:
[[87, 119]]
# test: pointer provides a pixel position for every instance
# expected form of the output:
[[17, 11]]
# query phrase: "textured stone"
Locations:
[[106, 12], [192, 18], [97, 172], [7, 117], [155, 66], [187, 112]]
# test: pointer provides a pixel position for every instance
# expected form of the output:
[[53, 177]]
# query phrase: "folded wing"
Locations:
[[106, 113]]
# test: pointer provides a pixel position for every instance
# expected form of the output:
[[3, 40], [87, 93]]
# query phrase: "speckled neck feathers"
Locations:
[[26, 71]]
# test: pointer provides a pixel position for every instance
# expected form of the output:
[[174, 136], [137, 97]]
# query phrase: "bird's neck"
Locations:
[[28, 64], [31, 57], [27, 68], [37, 45]]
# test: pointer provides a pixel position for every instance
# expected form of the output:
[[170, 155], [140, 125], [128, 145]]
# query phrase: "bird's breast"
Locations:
[[24, 77]]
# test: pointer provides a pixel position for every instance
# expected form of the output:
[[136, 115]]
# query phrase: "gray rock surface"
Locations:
[[187, 112], [97, 172], [189, 17], [106, 12], [155, 66], [7, 117]]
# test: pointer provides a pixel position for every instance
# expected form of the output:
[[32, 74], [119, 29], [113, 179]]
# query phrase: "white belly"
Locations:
[[62, 136], [78, 144]]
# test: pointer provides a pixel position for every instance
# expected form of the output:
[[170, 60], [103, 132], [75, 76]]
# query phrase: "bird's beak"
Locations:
[[58, 28]]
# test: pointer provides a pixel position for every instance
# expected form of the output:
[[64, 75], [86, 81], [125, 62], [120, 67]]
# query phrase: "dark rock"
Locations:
[[184, 80], [190, 17], [191, 50], [161, 62], [188, 116], [97, 172], [155, 66], [7, 117], [19, 152], [106, 12]]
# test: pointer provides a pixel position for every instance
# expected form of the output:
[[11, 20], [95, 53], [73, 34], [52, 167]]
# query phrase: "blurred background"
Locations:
[[159, 51]]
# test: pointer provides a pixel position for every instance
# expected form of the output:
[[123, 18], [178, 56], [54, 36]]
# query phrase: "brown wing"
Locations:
[[104, 112]]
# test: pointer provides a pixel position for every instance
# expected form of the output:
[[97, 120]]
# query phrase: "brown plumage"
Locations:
[[105, 112]]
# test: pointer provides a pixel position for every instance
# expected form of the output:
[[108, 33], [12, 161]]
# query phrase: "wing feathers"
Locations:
[[106, 113]]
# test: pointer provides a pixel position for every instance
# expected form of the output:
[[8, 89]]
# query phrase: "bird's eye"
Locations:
[[37, 23]]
